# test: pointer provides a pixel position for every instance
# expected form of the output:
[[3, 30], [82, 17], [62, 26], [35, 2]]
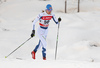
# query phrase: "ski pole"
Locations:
[[57, 41], [17, 47]]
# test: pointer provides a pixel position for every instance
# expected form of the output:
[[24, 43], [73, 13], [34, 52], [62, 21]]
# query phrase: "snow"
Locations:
[[79, 34]]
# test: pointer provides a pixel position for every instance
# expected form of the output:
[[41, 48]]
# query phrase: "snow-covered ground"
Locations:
[[79, 34]]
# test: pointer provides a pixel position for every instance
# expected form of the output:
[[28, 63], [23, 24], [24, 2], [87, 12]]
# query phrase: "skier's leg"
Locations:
[[43, 44], [42, 33], [35, 50], [44, 53], [38, 46]]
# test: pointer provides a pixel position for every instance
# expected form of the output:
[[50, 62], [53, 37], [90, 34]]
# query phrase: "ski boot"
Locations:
[[33, 54], [44, 58]]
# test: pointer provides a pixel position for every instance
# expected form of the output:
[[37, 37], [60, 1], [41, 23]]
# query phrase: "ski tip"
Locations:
[[5, 56]]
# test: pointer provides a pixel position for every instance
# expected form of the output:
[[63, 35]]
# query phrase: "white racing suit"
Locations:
[[44, 20]]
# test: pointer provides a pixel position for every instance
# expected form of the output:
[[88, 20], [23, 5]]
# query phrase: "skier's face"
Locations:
[[48, 11]]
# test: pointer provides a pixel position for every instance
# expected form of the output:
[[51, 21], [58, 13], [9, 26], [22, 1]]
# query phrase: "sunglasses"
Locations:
[[49, 10]]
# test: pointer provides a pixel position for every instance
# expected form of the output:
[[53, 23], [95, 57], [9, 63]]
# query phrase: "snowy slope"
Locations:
[[79, 44]]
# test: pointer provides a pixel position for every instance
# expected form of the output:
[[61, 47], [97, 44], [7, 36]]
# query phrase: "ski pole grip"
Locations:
[[59, 19]]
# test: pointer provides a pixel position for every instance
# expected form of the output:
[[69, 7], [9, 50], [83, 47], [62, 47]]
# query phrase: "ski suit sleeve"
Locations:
[[54, 19], [36, 20]]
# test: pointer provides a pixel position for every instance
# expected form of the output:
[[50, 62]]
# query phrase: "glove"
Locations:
[[33, 33], [59, 19]]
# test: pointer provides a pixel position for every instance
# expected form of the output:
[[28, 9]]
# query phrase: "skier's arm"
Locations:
[[36, 20], [54, 19]]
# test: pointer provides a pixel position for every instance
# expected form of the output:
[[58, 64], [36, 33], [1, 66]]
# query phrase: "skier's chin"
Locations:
[[49, 12]]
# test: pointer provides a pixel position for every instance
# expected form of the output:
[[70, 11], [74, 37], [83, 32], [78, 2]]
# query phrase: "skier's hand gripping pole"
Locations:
[[33, 33]]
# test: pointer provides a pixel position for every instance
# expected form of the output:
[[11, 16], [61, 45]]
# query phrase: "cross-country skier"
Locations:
[[44, 19]]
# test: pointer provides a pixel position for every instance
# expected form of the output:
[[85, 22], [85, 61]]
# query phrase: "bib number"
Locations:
[[46, 21]]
